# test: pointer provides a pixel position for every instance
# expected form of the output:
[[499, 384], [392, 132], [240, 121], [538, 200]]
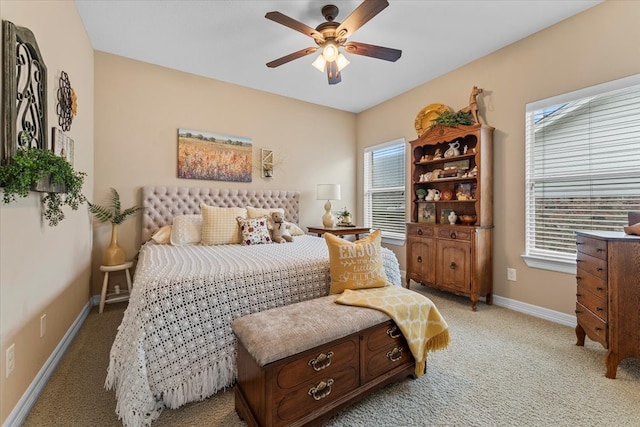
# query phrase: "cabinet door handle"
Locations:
[[321, 362], [599, 269], [452, 265], [393, 332], [599, 288], [599, 309], [419, 259], [395, 354], [452, 235], [419, 231], [322, 390]]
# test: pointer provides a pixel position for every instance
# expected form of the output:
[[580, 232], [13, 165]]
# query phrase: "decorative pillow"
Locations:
[[355, 265], [162, 236], [186, 230], [260, 212], [294, 230], [219, 225], [254, 230]]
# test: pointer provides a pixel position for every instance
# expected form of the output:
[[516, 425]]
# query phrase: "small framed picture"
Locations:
[[464, 191], [62, 145], [427, 212]]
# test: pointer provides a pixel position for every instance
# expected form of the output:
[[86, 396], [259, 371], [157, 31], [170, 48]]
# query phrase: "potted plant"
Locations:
[[421, 192], [344, 216], [40, 170], [114, 254], [451, 119]]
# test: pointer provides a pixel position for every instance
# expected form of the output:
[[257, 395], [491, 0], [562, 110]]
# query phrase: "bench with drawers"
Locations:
[[300, 364]]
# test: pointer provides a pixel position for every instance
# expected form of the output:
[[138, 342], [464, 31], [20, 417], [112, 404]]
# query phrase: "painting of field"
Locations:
[[213, 156]]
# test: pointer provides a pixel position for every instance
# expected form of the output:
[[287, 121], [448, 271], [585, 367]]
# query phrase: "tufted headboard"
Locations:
[[161, 204]]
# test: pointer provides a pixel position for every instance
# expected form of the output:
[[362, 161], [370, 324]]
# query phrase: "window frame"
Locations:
[[387, 237], [535, 257]]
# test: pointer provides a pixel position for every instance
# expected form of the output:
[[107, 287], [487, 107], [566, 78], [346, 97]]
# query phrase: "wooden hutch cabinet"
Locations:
[[454, 166], [608, 293]]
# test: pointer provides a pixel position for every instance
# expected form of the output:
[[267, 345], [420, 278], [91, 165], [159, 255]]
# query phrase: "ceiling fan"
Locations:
[[330, 36]]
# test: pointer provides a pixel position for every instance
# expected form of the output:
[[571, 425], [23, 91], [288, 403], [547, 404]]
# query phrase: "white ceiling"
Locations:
[[232, 40]]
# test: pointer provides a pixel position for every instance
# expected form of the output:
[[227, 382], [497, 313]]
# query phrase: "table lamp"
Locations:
[[328, 192]]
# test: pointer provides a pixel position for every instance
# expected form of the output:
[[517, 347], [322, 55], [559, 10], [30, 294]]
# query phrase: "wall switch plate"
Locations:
[[11, 360], [511, 274], [43, 325]]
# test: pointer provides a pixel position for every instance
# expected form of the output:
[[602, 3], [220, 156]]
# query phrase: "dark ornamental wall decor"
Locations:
[[24, 92], [66, 108]]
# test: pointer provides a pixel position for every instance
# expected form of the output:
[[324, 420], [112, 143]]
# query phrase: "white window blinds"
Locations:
[[583, 165], [384, 181]]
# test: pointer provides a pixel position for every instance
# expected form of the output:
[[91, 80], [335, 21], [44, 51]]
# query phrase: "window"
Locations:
[[582, 168], [384, 180]]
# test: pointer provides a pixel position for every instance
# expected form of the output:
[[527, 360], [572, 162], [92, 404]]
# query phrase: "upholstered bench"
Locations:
[[300, 364]]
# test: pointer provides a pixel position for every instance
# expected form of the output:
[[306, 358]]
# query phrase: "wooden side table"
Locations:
[[340, 231], [122, 295]]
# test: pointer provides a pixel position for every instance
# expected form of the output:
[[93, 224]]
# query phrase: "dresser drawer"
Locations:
[[312, 366], [592, 265], [383, 336], [314, 395], [592, 283], [454, 233], [594, 247], [594, 303], [594, 327], [414, 229]]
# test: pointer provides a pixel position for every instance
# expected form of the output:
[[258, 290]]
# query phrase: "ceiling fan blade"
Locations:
[[296, 25], [333, 74], [295, 55], [360, 16], [373, 51]]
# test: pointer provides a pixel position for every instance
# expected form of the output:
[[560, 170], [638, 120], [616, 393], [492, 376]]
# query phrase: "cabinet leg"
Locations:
[[408, 285], [580, 334], [612, 359], [103, 294], [489, 298]]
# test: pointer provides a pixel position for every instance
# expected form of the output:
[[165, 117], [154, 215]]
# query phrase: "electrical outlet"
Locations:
[[511, 274], [11, 359], [43, 325]]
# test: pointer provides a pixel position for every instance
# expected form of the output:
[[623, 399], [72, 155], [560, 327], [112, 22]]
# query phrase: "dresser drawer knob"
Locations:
[[322, 390], [452, 265], [393, 332], [321, 362], [598, 328], [419, 231], [452, 235], [419, 259], [578, 278], [599, 288], [599, 269], [599, 309], [599, 250], [395, 354], [578, 294], [578, 312]]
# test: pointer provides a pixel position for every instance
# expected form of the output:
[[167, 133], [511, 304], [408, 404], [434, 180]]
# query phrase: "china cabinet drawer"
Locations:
[[414, 229], [454, 233]]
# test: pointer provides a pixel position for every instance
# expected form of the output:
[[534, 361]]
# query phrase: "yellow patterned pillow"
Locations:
[[220, 226], [355, 265]]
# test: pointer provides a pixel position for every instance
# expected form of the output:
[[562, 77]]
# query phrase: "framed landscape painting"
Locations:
[[214, 156]]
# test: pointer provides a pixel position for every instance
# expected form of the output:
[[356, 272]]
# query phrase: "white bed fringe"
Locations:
[[204, 385]]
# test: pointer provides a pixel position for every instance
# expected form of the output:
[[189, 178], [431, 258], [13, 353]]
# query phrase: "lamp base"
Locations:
[[328, 220]]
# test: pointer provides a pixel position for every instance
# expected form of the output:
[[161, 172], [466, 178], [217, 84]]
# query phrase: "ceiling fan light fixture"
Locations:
[[330, 51], [342, 61], [319, 63]]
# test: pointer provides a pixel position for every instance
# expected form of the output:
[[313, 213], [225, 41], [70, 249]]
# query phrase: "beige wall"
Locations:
[[45, 270], [596, 46], [140, 107]]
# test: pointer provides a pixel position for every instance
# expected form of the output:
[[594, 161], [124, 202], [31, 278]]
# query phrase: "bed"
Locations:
[[175, 344]]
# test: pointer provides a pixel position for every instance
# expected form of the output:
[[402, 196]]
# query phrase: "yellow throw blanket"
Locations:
[[417, 317]]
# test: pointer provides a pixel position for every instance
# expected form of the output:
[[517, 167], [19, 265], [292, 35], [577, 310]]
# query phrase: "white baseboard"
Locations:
[[19, 414], [536, 311]]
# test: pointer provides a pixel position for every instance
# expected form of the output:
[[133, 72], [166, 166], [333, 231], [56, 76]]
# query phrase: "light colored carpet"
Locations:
[[502, 368]]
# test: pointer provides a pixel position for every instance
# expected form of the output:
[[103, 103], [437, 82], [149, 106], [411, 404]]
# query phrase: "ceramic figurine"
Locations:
[[452, 217]]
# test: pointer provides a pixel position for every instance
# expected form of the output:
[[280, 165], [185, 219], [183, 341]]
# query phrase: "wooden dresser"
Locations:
[[608, 294]]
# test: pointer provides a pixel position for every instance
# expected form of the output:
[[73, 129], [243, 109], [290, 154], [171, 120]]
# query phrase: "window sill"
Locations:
[[560, 265]]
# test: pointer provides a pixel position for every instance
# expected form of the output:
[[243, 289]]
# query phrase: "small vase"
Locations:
[[114, 254]]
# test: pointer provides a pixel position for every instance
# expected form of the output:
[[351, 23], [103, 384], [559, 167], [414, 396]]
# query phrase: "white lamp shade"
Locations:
[[319, 63], [328, 192]]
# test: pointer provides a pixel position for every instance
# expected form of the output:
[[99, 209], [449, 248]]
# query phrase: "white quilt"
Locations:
[[175, 344]]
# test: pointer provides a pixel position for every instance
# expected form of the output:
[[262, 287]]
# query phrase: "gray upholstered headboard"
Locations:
[[163, 203]]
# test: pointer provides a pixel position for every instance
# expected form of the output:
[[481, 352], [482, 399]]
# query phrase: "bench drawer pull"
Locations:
[[393, 332], [322, 390], [395, 354], [321, 362]]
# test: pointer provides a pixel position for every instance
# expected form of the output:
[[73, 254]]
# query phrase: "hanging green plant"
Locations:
[[451, 119], [40, 170]]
